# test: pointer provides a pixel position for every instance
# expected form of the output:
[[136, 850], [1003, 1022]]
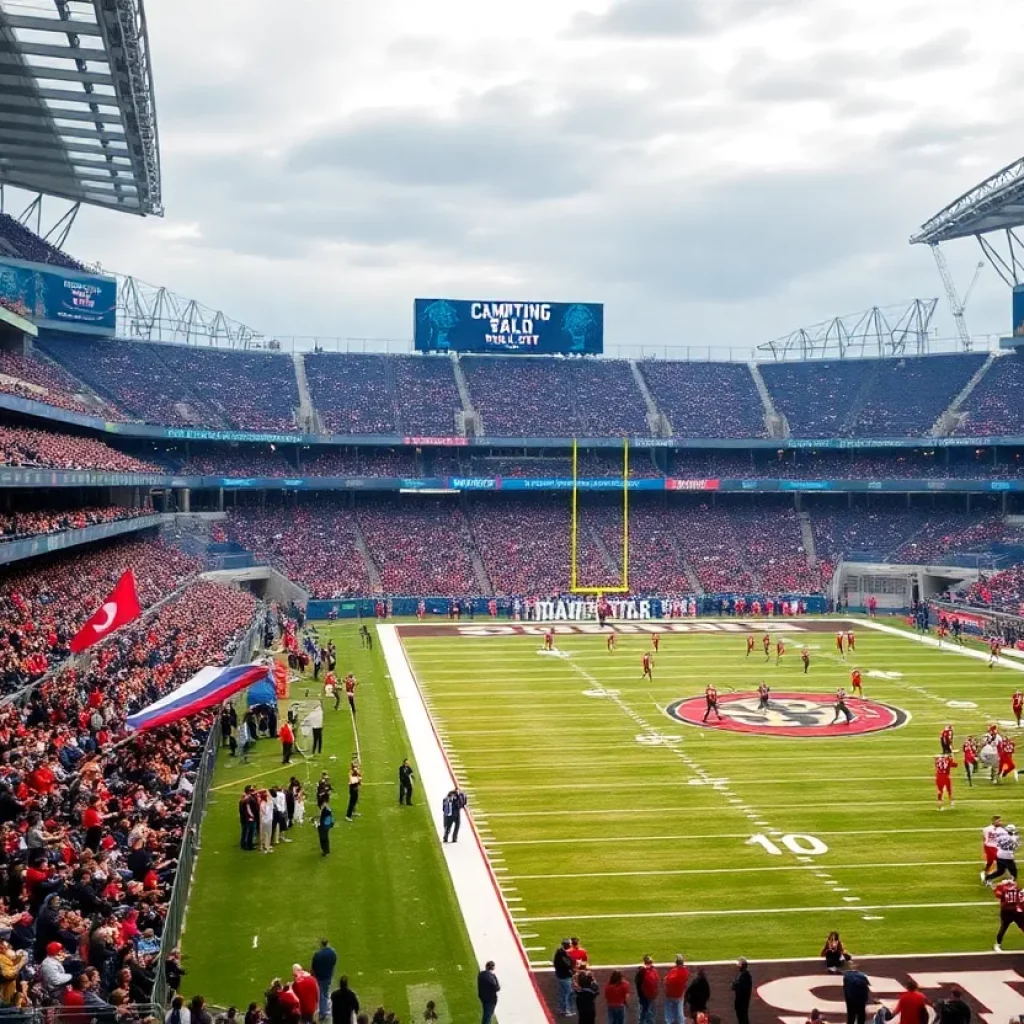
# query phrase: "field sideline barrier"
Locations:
[[365, 607]]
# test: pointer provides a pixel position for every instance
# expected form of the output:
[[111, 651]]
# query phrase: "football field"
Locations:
[[606, 814]]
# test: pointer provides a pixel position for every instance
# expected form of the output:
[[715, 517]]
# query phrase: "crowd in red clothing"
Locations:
[[42, 606], [1003, 591], [88, 837], [18, 525], [23, 446], [43, 381]]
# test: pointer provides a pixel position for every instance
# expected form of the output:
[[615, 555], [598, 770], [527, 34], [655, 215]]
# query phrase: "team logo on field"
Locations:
[[796, 715]]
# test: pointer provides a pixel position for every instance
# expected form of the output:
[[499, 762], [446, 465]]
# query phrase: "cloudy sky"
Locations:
[[717, 172]]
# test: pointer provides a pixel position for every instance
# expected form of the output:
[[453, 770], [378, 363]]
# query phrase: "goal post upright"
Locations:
[[622, 587]]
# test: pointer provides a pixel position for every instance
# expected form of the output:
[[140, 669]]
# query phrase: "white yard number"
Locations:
[[806, 846]]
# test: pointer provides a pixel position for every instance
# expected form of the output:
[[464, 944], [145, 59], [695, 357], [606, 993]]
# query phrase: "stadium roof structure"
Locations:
[[996, 205], [897, 330], [77, 110]]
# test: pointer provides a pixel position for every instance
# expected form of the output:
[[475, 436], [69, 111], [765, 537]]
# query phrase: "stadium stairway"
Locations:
[[611, 564], [372, 571], [480, 574], [472, 423], [863, 392], [807, 538], [657, 422], [309, 418], [775, 423], [950, 418], [691, 576]]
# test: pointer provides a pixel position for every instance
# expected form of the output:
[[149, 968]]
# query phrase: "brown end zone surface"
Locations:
[[499, 627], [785, 993]]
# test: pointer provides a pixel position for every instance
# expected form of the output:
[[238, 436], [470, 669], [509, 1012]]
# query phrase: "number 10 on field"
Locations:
[[805, 846]]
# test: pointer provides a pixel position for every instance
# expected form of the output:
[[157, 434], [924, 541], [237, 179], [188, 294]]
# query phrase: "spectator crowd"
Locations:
[[90, 827]]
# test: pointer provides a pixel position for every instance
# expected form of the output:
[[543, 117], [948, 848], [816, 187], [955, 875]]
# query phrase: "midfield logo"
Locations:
[[796, 715]]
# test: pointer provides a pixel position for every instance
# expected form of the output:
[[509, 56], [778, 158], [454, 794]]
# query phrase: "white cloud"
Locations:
[[717, 171]]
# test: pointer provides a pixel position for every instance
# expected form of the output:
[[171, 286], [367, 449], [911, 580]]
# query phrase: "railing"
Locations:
[[80, 1015], [177, 905]]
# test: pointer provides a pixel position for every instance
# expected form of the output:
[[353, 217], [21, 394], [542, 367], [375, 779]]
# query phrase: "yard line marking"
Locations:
[[735, 871], [757, 911], [702, 809], [255, 941], [721, 835], [850, 899]]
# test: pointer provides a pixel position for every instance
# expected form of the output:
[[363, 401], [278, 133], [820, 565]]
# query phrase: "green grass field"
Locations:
[[383, 897], [636, 845]]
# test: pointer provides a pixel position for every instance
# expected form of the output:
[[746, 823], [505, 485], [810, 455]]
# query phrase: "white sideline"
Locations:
[[488, 922], [931, 641]]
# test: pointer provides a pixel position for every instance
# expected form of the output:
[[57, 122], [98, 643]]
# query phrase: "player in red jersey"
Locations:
[[944, 764], [350, 692], [780, 650], [656, 641], [750, 646], [1018, 706], [850, 644], [840, 637], [711, 697], [611, 643], [805, 657], [946, 739], [648, 665], [970, 749], [766, 643], [1005, 749], [994, 647], [762, 696], [549, 640], [1011, 909], [855, 682], [988, 844]]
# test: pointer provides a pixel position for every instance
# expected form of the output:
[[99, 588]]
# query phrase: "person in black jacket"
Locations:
[[343, 1002], [698, 993], [487, 989], [563, 966], [586, 993], [954, 1010], [742, 989]]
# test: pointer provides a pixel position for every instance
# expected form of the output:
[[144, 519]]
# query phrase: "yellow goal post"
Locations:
[[622, 586]]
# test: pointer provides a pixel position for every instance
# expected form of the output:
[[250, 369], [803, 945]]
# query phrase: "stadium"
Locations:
[[492, 639]]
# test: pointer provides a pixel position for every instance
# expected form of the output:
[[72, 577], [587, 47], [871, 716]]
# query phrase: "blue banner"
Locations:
[[496, 326], [59, 298]]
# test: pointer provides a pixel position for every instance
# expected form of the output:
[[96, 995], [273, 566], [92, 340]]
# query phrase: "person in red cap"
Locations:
[[52, 972], [308, 991]]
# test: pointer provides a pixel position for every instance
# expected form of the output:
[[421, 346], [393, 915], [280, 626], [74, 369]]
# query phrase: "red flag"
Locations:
[[120, 608]]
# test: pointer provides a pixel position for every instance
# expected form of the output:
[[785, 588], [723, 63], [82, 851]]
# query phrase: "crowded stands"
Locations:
[[18, 525], [994, 407], [23, 446], [91, 832], [518, 397], [354, 394], [314, 544], [181, 385], [18, 242], [420, 546], [39, 380], [1002, 592], [706, 399]]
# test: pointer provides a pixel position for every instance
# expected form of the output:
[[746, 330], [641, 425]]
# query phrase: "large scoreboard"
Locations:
[[59, 298], [500, 326]]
